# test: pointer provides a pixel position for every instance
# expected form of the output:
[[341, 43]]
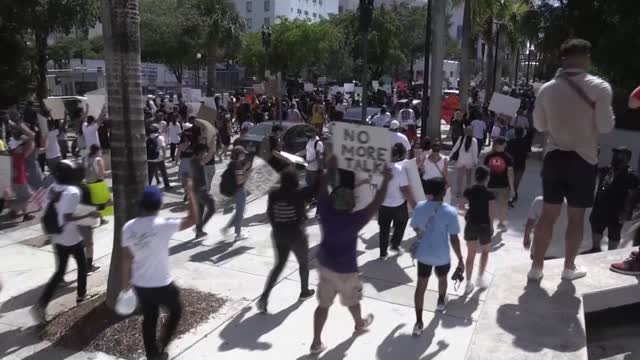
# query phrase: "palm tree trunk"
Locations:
[[41, 65], [465, 62], [211, 66], [121, 28], [438, 39]]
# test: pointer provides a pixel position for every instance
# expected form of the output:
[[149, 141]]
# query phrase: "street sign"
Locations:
[[361, 148]]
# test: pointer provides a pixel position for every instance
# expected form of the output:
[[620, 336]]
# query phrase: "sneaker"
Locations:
[[481, 282], [39, 314], [200, 234], [442, 303], [262, 306], [93, 269], [395, 248], [305, 295], [317, 349], [631, 266], [468, 289], [591, 251], [511, 204], [573, 274], [535, 274], [417, 329], [384, 256], [80, 298], [240, 237], [366, 322]]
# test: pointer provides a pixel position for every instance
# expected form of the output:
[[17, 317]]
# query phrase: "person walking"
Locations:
[[408, 121], [479, 127], [518, 148], [286, 213], [174, 129], [155, 156], [338, 265], [436, 224], [456, 127], [398, 137], [318, 116], [382, 118], [394, 211], [293, 115], [241, 167], [202, 188], [465, 155], [573, 109], [145, 266], [64, 198], [96, 187], [314, 157], [478, 229], [435, 165], [52, 147], [500, 166], [21, 145]]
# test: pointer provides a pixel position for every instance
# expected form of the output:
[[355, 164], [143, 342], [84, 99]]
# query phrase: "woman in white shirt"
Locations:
[[52, 147], [435, 165], [465, 154], [174, 129]]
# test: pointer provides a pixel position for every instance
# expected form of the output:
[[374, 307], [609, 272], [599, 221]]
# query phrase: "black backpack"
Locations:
[[50, 224], [228, 183], [152, 148]]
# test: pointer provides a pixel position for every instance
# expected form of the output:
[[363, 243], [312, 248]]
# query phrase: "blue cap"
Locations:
[[151, 197]]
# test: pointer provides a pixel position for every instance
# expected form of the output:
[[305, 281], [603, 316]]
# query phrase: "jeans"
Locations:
[[153, 167], [42, 161], [209, 173], [206, 209], [62, 257], [240, 198], [285, 240], [399, 216], [150, 300]]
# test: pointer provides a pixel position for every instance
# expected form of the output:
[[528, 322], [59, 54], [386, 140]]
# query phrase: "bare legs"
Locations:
[[543, 233], [320, 318], [575, 230]]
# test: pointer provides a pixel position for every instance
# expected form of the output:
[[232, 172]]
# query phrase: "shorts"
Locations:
[[600, 224], [565, 174], [503, 195], [424, 270], [184, 169], [482, 233], [347, 285]]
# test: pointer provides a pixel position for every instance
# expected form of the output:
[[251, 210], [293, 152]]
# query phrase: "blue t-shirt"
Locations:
[[437, 221], [339, 236]]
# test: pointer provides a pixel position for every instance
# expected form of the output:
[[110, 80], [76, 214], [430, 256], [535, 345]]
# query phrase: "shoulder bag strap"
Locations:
[[578, 90]]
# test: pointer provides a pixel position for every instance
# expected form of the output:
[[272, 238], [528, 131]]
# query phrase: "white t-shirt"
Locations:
[[148, 240], [431, 169], [312, 147], [407, 117], [90, 133], [381, 119], [68, 203], [53, 148], [394, 196], [479, 127], [174, 133], [397, 137]]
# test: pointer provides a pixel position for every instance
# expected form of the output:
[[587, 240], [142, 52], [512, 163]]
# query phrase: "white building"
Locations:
[[265, 12]]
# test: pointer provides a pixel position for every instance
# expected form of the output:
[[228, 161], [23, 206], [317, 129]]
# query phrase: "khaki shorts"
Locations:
[[332, 283]]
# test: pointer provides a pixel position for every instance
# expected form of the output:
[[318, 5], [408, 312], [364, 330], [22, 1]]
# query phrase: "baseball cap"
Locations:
[[239, 149], [151, 198], [394, 125]]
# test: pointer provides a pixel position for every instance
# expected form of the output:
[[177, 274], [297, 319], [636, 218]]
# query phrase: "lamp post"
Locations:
[[266, 44], [515, 81], [529, 51], [366, 15], [197, 77], [483, 50], [425, 76], [495, 58]]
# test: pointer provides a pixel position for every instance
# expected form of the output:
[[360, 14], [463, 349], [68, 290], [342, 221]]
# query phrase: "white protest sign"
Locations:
[[361, 148], [96, 103], [186, 95], [375, 85], [5, 172], [503, 104], [258, 89], [308, 87], [411, 167], [193, 108], [56, 107], [357, 90], [333, 90], [210, 102], [348, 87], [196, 94], [322, 80]]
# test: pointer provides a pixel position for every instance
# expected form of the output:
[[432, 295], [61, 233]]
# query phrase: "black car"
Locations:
[[294, 139]]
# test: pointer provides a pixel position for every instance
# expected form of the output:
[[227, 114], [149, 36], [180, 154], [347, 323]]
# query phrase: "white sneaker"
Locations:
[[241, 237], [417, 329], [535, 274], [573, 274], [468, 289], [481, 282]]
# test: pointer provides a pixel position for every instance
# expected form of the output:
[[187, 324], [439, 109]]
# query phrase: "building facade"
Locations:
[[258, 13]]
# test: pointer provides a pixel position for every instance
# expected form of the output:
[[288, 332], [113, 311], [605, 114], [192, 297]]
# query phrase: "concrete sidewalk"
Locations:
[[238, 272]]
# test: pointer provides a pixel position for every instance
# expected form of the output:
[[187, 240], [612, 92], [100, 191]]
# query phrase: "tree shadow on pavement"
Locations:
[[219, 253], [405, 346], [245, 333], [30, 296], [14, 340]]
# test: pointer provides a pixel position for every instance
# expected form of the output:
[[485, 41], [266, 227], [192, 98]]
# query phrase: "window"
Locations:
[[249, 23], [320, 2], [249, 6], [267, 21], [299, 11], [267, 5], [306, 13], [315, 15], [340, 9]]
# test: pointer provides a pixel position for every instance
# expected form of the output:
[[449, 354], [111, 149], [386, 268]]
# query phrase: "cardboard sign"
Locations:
[[95, 103], [56, 108], [5, 173], [503, 104], [348, 87], [361, 148], [196, 94], [411, 167], [207, 113], [308, 87]]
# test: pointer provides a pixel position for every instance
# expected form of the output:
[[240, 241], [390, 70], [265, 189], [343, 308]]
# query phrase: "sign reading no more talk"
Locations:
[[361, 148]]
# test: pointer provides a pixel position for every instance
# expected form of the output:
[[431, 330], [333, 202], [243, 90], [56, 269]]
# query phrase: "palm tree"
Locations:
[[121, 29], [438, 39], [465, 61]]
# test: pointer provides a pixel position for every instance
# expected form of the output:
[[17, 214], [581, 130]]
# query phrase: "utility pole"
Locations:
[[515, 81], [425, 77], [366, 15]]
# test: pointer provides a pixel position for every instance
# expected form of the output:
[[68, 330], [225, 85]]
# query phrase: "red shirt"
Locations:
[[19, 170]]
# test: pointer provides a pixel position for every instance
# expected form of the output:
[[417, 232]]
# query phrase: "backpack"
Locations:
[[228, 183], [152, 148], [50, 224]]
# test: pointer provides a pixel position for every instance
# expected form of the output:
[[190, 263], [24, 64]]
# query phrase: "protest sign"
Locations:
[[210, 102], [333, 90], [308, 87], [503, 104], [361, 148], [56, 107], [348, 87], [193, 108], [5, 173], [357, 90], [96, 103], [186, 95], [411, 167], [207, 113], [322, 80], [258, 89]]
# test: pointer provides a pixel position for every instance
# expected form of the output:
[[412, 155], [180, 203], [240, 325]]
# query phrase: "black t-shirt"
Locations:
[[286, 208], [479, 198], [518, 149], [613, 188], [498, 163]]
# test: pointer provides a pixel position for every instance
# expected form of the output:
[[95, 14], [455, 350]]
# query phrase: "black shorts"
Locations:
[[424, 270], [600, 224], [565, 174], [482, 233]]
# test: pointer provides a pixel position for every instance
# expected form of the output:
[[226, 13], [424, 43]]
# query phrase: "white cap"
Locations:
[[394, 125]]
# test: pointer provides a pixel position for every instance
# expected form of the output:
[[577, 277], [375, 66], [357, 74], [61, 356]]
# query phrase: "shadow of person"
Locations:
[[29, 297], [461, 310], [539, 321], [12, 341], [219, 253], [384, 274], [255, 220], [403, 345], [245, 333], [496, 241], [373, 242]]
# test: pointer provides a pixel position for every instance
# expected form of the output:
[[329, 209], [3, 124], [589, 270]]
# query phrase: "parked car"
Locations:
[[294, 139]]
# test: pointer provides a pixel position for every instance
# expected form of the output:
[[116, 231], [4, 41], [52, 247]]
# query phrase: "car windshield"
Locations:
[[261, 130]]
